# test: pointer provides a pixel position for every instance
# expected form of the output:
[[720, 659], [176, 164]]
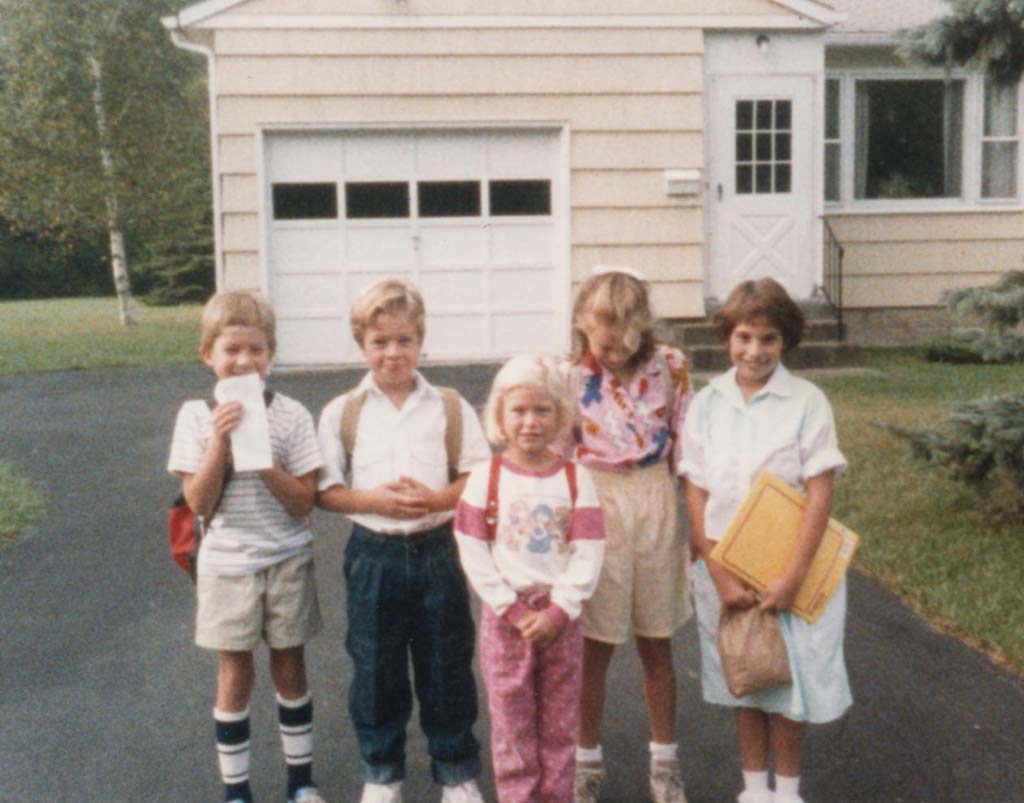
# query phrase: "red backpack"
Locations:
[[185, 530]]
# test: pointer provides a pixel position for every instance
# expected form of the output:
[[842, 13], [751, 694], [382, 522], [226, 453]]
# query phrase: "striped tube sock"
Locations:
[[232, 730], [295, 719]]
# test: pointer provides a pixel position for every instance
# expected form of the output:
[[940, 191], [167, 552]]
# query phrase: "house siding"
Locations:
[[633, 101], [908, 260]]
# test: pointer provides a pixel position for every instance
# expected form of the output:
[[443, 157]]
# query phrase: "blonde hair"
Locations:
[[615, 299], [528, 372], [236, 308], [387, 297]]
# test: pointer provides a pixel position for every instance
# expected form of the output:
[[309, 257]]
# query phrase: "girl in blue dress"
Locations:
[[759, 416]]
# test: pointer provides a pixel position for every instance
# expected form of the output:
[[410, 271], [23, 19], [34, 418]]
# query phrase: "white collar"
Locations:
[[423, 387], [780, 383]]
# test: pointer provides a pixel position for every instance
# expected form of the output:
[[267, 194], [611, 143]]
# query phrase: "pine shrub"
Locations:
[[999, 308]]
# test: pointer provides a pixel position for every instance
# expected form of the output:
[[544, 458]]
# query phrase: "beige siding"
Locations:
[[456, 75], [632, 99], [241, 114], [908, 260], [514, 7]]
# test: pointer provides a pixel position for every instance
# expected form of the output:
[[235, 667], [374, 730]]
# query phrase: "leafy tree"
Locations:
[[985, 34], [102, 124]]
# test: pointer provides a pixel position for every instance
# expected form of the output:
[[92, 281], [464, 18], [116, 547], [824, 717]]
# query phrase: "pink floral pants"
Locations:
[[534, 701]]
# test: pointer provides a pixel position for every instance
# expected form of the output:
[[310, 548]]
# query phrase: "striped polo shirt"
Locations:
[[251, 528]]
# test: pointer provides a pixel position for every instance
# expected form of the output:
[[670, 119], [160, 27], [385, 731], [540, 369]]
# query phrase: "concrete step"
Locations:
[[687, 334], [824, 354]]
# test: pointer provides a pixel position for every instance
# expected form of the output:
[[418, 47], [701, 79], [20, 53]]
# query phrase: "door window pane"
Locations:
[[304, 201], [763, 146], [449, 198], [520, 197], [908, 139], [367, 200]]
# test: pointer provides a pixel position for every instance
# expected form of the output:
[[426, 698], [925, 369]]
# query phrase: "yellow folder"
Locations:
[[760, 539]]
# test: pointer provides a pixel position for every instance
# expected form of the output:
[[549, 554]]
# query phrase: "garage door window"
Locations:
[[305, 201], [376, 200], [449, 198], [522, 197]]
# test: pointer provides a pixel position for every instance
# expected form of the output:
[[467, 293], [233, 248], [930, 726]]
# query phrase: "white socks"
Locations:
[[589, 755]]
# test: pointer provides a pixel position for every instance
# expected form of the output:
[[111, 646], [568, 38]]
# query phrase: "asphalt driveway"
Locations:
[[104, 698]]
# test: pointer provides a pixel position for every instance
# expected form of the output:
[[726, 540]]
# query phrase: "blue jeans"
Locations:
[[407, 595]]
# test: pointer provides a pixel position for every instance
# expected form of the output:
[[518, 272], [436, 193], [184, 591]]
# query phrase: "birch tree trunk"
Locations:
[[118, 258]]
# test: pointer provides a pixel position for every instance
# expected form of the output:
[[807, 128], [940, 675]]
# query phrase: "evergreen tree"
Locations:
[[984, 34], [981, 443], [999, 307]]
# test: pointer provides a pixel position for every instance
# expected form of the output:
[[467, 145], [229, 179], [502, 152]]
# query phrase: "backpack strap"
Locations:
[[491, 510], [452, 429], [350, 424], [451, 400], [570, 477]]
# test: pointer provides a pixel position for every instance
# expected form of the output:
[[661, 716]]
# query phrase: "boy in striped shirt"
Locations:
[[255, 577]]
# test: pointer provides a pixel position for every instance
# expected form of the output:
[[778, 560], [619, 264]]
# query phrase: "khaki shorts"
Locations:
[[277, 604], [643, 578]]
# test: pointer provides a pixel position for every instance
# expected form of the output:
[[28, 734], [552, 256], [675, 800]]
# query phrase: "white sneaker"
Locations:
[[586, 787], [666, 782], [382, 793], [465, 792], [746, 796]]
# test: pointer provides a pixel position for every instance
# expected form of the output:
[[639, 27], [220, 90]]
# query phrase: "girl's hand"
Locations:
[[540, 631], [780, 594], [732, 591], [226, 417]]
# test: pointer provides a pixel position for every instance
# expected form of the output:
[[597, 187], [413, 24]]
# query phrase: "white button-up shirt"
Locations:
[[392, 443], [786, 427]]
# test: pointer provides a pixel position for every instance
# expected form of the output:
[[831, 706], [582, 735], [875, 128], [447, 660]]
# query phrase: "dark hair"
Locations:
[[765, 299]]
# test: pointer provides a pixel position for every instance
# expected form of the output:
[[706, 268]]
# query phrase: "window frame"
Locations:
[[971, 145]]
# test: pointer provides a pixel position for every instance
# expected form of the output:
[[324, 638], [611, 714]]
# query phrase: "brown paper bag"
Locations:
[[752, 650]]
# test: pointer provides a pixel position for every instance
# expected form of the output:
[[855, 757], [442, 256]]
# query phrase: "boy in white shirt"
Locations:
[[406, 593]]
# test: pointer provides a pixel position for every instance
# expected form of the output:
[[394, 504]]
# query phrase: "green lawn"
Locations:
[[59, 334], [20, 504], [931, 540]]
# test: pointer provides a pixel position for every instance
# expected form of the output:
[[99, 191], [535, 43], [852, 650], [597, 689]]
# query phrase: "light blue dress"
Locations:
[[787, 427]]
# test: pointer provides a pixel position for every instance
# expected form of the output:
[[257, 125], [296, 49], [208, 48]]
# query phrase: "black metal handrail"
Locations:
[[833, 275]]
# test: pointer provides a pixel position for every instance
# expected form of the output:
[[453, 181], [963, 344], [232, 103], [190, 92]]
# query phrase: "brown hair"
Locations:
[[387, 297], [615, 299], [236, 308], [764, 299]]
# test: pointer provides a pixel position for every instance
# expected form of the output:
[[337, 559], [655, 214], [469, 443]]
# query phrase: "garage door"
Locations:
[[471, 217]]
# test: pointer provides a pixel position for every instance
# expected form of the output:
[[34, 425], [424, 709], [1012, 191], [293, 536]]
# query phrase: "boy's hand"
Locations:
[[427, 497], [540, 630], [396, 501], [226, 417]]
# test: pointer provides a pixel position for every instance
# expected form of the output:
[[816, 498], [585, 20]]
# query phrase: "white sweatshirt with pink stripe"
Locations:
[[541, 542]]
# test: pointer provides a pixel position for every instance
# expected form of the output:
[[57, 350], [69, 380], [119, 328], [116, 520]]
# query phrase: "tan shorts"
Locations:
[[643, 579], [277, 604]]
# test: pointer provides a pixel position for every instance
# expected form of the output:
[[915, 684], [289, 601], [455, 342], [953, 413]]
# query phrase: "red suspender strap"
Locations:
[[570, 476], [491, 513]]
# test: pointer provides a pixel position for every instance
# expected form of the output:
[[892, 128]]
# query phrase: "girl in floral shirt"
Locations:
[[631, 396]]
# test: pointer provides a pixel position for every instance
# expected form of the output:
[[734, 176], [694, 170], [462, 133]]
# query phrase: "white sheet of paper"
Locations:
[[250, 441]]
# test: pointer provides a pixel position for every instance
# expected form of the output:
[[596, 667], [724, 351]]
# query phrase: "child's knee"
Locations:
[[288, 671]]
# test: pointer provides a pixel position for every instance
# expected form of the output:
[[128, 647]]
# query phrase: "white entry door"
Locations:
[[473, 218], [761, 196]]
